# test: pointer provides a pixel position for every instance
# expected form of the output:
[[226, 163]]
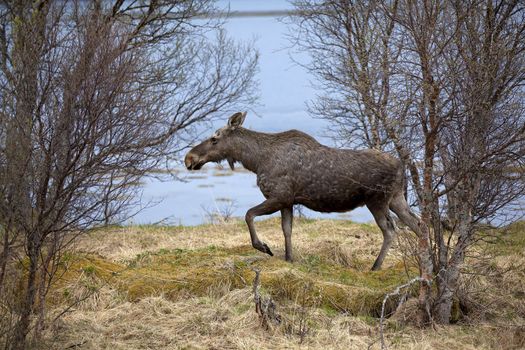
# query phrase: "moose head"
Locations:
[[216, 148]]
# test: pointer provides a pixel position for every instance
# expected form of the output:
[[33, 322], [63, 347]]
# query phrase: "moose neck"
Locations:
[[248, 147]]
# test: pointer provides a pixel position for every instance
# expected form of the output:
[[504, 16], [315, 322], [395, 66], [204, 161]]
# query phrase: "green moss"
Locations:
[[67, 257], [313, 263], [89, 269], [329, 311], [369, 320], [176, 273]]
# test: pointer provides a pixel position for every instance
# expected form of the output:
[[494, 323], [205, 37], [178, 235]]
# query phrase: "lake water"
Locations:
[[284, 90]]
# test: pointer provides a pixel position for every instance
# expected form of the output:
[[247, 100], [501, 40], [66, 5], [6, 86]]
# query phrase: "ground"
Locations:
[[150, 287]]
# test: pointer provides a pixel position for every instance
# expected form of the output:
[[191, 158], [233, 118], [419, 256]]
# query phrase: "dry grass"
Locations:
[[153, 287], [360, 241]]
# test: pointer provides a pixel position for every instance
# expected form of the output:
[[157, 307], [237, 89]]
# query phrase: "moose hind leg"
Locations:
[[265, 208], [286, 223], [400, 207], [387, 226]]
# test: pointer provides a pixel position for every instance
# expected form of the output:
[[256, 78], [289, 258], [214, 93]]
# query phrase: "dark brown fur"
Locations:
[[293, 168]]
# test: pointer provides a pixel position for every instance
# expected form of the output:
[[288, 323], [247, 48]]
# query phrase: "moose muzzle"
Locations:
[[193, 162]]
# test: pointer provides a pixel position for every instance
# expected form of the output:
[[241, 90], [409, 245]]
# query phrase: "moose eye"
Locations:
[[214, 140]]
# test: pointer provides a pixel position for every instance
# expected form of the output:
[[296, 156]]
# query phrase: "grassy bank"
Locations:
[[151, 287]]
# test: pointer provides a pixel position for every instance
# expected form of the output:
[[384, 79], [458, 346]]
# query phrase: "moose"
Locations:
[[293, 168]]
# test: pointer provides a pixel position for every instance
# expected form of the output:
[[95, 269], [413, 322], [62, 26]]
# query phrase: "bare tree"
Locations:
[[357, 58], [441, 84], [93, 95], [482, 143]]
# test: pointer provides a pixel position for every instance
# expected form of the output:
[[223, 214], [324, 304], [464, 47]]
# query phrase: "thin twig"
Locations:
[[396, 291]]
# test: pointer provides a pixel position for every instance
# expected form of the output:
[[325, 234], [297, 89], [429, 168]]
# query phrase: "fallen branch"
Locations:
[[265, 307], [396, 291]]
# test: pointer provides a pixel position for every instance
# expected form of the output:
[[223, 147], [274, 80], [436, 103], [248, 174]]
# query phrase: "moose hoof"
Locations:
[[267, 250], [263, 248]]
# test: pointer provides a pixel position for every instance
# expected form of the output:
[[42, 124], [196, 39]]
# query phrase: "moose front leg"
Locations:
[[286, 224], [267, 207]]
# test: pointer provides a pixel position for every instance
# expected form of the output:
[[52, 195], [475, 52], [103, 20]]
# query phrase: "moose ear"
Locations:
[[237, 119]]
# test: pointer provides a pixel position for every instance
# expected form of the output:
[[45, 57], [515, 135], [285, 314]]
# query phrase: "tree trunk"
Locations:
[[450, 276], [424, 246], [4, 256], [23, 324], [425, 267], [446, 290]]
